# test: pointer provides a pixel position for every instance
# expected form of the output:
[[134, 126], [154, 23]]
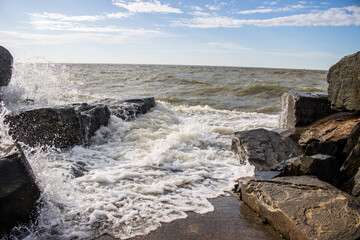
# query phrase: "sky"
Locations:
[[245, 33]]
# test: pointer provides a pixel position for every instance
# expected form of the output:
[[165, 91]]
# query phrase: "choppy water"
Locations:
[[156, 168]]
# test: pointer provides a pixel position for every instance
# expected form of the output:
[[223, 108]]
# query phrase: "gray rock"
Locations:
[[18, 191], [344, 83], [352, 186], [129, 109], [325, 167], [304, 208], [352, 162], [263, 148], [60, 127], [6, 64], [303, 108]]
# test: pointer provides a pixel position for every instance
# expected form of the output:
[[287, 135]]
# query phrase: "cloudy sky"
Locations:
[[249, 33]]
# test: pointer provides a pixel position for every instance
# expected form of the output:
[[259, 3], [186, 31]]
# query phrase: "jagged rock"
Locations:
[[304, 208], [18, 191], [129, 109], [344, 83], [60, 127], [352, 162], [6, 64], [325, 167], [303, 108], [263, 148], [329, 137], [352, 186]]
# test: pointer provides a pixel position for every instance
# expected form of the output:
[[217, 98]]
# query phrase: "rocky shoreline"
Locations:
[[316, 151]]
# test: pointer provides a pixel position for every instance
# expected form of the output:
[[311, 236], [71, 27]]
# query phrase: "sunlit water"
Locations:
[[152, 170]]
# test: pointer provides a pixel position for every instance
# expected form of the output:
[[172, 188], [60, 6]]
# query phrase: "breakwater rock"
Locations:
[[317, 193], [6, 63]]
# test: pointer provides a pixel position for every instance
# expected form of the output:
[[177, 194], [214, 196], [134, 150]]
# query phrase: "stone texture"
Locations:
[[263, 148], [6, 63], [60, 127], [304, 208], [303, 108], [325, 167], [352, 186], [129, 109], [329, 137], [344, 83], [18, 191]]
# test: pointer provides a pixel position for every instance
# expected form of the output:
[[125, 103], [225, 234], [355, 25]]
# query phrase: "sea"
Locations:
[[157, 168]]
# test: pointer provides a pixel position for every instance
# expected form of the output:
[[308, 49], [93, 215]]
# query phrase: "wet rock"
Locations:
[[129, 109], [59, 127], [304, 207], [329, 137], [325, 167], [18, 191], [6, 64], [263, 148], [344, 83], [303, 108]]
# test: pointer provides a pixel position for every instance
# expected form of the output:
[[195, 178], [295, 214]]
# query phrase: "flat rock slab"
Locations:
[[304, 207]]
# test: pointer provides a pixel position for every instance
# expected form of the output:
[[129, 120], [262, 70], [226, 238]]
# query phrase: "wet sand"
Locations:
[[229, 221]]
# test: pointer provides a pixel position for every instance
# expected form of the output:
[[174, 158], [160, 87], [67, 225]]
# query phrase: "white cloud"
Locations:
[[302, 54], [62, 17], [139, 6], [119, 15], [267, 10], [332, 17]]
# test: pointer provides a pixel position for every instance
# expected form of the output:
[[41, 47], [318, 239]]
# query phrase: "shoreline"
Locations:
[[230, 220]]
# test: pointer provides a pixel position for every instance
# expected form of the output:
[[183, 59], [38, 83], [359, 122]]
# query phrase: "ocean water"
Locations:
[[167, 162]]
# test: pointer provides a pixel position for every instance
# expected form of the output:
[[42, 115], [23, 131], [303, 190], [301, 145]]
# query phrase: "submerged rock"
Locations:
[[129, 109], [304, 208], [344, 83], [303, 108], [263, 148], [60, 127], [6, 64], [18, 191]]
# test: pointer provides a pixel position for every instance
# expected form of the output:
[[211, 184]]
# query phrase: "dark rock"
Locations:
[[329, 137], [304, 208], [344, 83], [352, 186], [60, 127], [263, 148], [129, 109], [303, 108], [6, 64], [93, 117], [18, 191], [352, 162], [325, 167]]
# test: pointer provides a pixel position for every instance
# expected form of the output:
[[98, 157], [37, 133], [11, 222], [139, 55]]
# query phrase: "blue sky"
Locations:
[[252, 33]]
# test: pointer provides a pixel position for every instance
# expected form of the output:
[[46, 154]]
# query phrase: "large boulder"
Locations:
[[304, 208], [344, 83], [325, 167], [329, 137], [129, 109], [18, 191], [6, 63], [60, 127], [303, 108], [263, 148]]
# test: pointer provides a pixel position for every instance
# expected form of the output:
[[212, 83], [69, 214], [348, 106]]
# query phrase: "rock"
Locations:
[[325, 167], [352, 186], [93, 117], [18, 191], [263, 148], [59, 127], [303, 108], [329, 137], [344, 83], [304, 208], [352, 162], [6, 64], [129, 109]]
